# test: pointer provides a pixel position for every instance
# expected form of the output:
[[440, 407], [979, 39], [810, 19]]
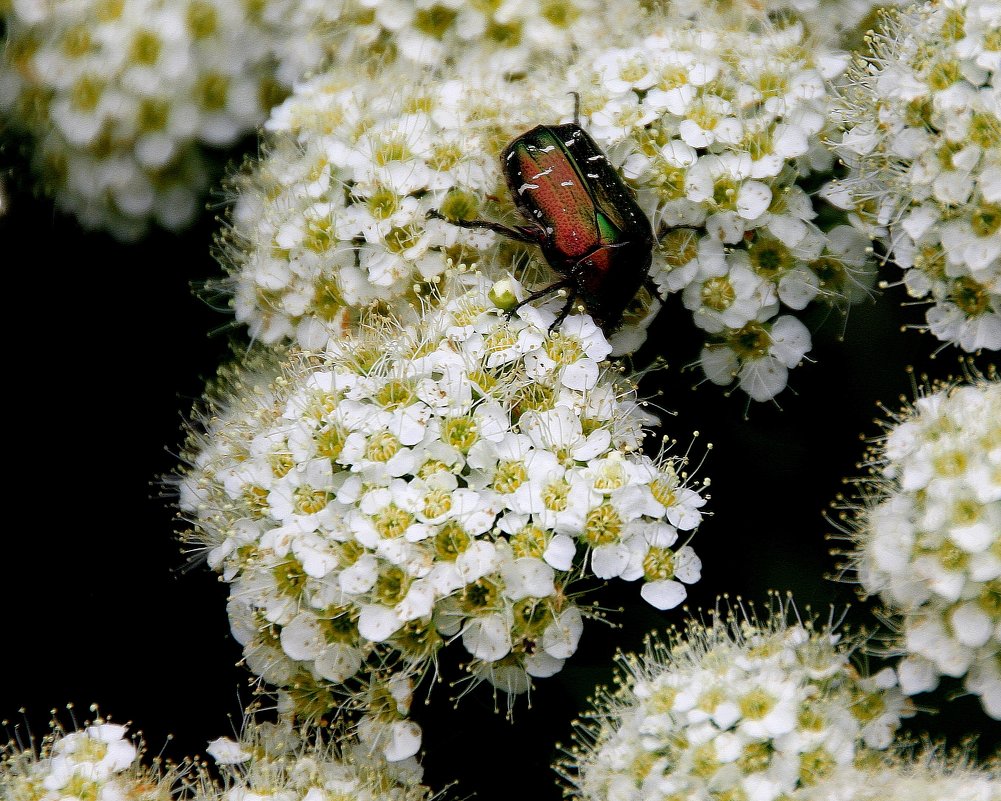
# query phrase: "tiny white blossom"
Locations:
[[926, 537]]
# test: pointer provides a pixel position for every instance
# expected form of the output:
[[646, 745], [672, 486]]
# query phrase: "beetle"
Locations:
[[580, 213]]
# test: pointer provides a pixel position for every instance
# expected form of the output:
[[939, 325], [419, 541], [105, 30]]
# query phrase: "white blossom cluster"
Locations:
[[334, 218], [97, 762], [719, 130], [928, 538], [120, 98], [510, 37], [831, 23], [732, 709], [921, 118], [928, 776], [277, 762], [419, 484]]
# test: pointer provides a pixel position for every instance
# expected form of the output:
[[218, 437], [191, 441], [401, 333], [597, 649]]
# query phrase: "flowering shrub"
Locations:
[[930, 775], [334, 218], [927, 537], [94, 762], [414, 485], [922, 141], [270, 762], [720, 131], [121, 97], [735, 708]]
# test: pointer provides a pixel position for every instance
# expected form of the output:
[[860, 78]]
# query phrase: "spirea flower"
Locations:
[[119, 99], [511, 37], [736, 708], [277, 762], [720, 131], [921, 136], [930, 775], [832, 23], [334, 217], [416, 485], [96, 762], [927, 534]]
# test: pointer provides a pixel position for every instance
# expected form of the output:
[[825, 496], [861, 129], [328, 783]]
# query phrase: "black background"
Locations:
[[107, 353]]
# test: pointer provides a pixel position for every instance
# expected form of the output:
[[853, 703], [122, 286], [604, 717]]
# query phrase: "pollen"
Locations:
[[658, 564], [460, 432], [153, 115], [76, 42], [212, 91], [718, 293], [755, 757], [145, 48], [451, 540], [434, 21], [529, 541], [309, 501], [559, 13], [770, 258], [971, 296], [202, 19], [396, 394], [290, 578], [756, 704], [437, 503], [382, 447], [330, 441], [500, 339], [602, 526], [281, 464], [480, 595], [509, 476], [392, 521], [86, 93], [663, 492], [391, 586], [815, 765], [382, 203], [555, 495]]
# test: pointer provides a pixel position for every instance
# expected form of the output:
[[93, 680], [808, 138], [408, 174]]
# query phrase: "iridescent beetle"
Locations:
[[582, 216]]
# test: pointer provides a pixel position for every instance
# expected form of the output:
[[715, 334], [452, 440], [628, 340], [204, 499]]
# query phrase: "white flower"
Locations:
[[285, 763], [727, 159], [929, 180], [134, 94], [930, 774], [407, 488], [226, 751], [755, 709], [97, 760], [926, 536]]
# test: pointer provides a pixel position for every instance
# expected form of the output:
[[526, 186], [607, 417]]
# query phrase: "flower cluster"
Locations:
[[720, 131], [928, 537], [276, 762], [96, 762], [922, 140], [734, 709], [335, 217], [831, 23], [928, 776], [419, 484], [119, 99], [511, 37]]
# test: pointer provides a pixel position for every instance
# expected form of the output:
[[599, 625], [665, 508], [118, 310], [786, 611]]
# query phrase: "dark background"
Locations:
[[106, 356]]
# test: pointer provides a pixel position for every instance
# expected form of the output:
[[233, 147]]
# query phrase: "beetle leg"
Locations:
[[542, 293], [519, 234], [571, 297]]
